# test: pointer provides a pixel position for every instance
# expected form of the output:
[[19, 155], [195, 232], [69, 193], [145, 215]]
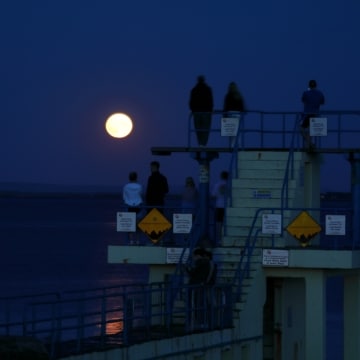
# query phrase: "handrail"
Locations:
[[13, 308], [289, 166], [91, 322], [177, 278], [270, 129], [167, 239], [143, 306], [243, 267], [262, 128], [233, 165]]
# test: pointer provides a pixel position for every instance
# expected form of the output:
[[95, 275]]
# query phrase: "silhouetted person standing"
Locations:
[[312, 99], [233, 100], [198, 274], [157, 186], [233, 105], [201, 104]]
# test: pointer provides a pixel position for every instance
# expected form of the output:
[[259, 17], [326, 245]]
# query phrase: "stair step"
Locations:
[[256, 174], [263, 164], [267, 156], [259, 185]]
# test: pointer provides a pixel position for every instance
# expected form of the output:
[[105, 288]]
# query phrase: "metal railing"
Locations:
[[282, 130], [275, 129], [324, 241], [169, 238], [97, 319]]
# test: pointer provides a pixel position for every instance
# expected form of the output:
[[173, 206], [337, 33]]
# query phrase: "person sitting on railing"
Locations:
[[312, 99], [201, 104]]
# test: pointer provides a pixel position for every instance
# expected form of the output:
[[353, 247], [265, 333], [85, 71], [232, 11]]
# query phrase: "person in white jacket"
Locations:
[[132, 193], [132, 196]]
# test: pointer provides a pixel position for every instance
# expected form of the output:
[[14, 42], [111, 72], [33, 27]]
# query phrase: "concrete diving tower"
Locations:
[[284, 303]]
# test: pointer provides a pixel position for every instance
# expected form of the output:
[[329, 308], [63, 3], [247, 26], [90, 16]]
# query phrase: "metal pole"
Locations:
[[204, 158], [204, 171]]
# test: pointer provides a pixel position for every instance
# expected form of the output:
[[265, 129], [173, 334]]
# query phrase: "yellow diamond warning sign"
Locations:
[[303, 228], [154, 225]]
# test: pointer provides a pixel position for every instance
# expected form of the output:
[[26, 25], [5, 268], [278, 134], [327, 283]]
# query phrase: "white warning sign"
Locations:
[[126, 221], [318, 126], [335, 225], [182, 223], [273, 257], [271, 224]]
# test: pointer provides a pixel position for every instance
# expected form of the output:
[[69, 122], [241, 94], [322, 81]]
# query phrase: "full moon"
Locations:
[[118, 125]]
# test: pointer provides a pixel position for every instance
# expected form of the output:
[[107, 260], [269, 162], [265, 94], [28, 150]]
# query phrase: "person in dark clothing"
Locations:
[[201, 105], [211, 278], [200, 269], [198, 274], [211, 295], [233, 100], [233, 105], [312, 99], [157, 187]]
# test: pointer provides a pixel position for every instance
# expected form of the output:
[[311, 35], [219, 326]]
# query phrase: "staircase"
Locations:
[[258, 186]]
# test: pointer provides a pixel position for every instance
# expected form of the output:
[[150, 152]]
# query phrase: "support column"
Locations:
[[204, 175], [204, 158], [312, 187], [352, 317], [315, 315], [354, 159], [312, 180], [352, 283]]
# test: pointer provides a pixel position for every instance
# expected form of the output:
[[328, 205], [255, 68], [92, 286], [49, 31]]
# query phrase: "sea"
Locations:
[[58, 242]]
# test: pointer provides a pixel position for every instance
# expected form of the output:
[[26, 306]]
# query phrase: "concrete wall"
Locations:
[[217, 345], [293, 319]]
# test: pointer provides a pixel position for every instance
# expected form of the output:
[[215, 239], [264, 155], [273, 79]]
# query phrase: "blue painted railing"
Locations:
[[169, 238], [282, 130], [324, 242], [80, 321], [275, 129], [98, 319]]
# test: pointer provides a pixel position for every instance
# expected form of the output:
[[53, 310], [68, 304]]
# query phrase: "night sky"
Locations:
[[67, 65]]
